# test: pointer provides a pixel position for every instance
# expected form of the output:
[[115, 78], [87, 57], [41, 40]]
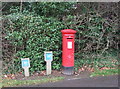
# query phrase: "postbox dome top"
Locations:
[[68, 31]]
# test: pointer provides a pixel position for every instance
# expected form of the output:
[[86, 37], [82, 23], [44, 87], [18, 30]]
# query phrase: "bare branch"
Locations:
[[21, 6]]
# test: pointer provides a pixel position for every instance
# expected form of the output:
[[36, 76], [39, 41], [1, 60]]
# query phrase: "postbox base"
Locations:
[[68, 70]]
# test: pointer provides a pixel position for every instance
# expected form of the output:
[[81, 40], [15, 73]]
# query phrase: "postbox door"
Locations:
[[70, 51]]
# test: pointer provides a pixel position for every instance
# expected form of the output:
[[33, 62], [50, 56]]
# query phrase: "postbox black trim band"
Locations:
[[68, 67]]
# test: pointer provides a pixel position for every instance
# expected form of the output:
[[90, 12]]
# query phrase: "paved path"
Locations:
[[106, 81]]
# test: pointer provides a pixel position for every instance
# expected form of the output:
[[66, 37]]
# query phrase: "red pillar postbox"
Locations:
[[68, 36]]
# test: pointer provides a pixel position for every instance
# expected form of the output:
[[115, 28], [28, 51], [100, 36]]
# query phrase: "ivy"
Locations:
[[36, 28]]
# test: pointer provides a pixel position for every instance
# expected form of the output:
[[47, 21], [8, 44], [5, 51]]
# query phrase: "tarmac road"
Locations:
[[106, 81]]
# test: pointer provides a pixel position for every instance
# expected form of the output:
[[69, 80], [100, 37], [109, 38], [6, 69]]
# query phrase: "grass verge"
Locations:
[[13, 83], [105, 72]]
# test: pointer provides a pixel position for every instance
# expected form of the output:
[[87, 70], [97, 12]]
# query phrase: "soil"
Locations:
[[42, 74]]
